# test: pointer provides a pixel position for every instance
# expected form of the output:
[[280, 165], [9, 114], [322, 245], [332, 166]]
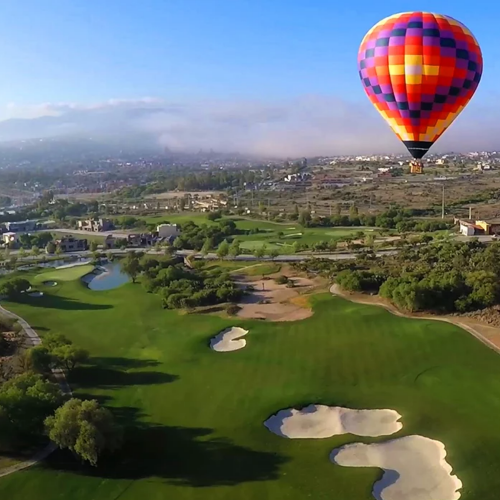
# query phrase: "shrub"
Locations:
[[281, 280], [232, 309]]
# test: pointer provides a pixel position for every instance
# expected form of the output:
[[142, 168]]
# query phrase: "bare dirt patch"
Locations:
[[274, 302]]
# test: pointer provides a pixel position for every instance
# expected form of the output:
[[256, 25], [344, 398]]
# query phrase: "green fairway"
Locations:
[[195, 417]]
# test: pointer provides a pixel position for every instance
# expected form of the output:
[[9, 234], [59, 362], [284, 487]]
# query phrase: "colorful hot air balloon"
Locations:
[[419, 70]]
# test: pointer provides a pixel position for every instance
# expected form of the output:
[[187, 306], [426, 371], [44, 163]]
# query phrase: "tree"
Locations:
[[54, 340], [353, 212], [68, 356], [27, 400], [274, 253], [93, 246], [85, 428], [50, 248], [13, 288], [59, 250], [169, 249], [260, 252], [131, 265], [305, 218], [22, 253], [369, 240], [234, 249], [207, 246], [223, 250], [110, 256], [35, 251], [212, 216], [38, 359]]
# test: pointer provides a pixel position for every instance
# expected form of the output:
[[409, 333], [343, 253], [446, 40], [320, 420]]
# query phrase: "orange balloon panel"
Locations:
[[419, 70]]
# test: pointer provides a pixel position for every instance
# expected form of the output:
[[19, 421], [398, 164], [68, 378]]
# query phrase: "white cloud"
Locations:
[[307, 125]]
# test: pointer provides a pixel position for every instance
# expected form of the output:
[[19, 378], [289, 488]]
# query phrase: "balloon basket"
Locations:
[[416, 167]]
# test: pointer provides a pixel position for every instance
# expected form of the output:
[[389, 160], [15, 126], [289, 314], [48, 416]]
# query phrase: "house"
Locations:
[[95, 225], [142, 239], [21, 227], [167, 230], [470, 227], [491, 226], [71, 244], [9, 238]]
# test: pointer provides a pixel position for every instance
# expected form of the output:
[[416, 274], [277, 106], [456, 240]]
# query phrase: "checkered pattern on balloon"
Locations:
[[419, 70]]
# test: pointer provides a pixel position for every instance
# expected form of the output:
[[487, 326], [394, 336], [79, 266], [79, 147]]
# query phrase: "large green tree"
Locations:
[[27, 400], [85, 428], [131, 265]]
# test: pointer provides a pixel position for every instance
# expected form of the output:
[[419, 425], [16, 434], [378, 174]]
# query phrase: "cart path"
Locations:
[[63, 384]]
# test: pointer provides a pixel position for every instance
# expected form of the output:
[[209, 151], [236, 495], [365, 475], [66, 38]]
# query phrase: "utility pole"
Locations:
[[470, 213], [442, 205]]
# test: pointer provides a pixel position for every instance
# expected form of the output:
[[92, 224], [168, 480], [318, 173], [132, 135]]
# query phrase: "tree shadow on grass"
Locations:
[[127, 363], [108, 378], [55, 302], [180, 455]]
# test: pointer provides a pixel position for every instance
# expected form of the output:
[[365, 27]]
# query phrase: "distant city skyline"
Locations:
[[264, 77]]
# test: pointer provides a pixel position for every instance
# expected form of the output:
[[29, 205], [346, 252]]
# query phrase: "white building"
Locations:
[[168, 230], [10, 238], [467, 228]]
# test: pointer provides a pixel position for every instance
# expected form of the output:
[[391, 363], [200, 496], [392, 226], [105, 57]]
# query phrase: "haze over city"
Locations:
[[274, 80]]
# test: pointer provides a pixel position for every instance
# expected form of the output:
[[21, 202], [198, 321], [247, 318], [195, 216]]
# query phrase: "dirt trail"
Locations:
[[474, 329]]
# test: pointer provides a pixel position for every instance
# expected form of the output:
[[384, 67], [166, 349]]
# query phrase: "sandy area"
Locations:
[[50, 283], [229, 340], [74, 264], [414, 468], [274, 302], [488, 335], [319, 421]]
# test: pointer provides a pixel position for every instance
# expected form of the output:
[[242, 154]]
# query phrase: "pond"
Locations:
[[106, 277]]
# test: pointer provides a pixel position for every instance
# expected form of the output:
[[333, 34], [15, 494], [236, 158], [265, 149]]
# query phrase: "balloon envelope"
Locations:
[[419, 70]]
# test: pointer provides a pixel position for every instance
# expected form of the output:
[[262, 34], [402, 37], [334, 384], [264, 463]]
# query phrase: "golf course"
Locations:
[[194, 418]]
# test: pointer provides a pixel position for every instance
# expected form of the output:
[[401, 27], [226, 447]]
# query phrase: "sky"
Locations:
[[285, 71]]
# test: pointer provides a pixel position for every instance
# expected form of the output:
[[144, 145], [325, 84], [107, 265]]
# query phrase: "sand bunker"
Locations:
[[414, 468], [319, 421], [229, 340], [50, 283], [36, 295]]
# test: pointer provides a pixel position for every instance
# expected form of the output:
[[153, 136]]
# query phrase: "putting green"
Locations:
[[68, 274], [195, 417]]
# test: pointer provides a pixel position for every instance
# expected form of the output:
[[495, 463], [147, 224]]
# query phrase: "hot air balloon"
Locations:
[[419, 70]]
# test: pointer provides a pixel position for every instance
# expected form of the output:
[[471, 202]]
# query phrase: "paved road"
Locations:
[[212, 256]]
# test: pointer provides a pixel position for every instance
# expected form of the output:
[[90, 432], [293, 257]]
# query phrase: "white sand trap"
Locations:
[[319, 421], [229, 340], [414, 468], [50, 283], [36, 295]]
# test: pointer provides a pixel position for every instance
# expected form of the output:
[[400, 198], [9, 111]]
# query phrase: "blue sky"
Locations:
[[92, 50], [264, 76]]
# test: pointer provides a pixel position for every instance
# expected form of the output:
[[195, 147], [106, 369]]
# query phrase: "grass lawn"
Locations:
[[261, 269], [68, 274], [198, 415], [292, 231]]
